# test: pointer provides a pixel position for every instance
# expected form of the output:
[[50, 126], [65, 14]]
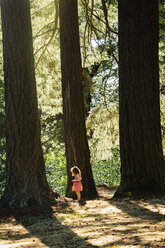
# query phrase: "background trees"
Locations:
[[100, 74], [26, 182]]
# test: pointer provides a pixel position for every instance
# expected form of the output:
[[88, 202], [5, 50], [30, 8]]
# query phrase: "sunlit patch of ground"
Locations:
[[100, 223]]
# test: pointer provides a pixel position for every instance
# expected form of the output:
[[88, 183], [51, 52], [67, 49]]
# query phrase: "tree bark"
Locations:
[[26, 182], [142, 165], [77, 150]]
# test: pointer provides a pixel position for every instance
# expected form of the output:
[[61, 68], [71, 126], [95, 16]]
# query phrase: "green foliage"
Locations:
[[54, 151], [52, 132], [103, 132], [107, 172], [56, 171]]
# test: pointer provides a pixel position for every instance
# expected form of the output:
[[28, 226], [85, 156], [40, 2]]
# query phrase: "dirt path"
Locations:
[[100, 223]]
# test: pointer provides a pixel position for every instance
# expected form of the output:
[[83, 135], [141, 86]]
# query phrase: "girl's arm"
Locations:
[[77, 179]]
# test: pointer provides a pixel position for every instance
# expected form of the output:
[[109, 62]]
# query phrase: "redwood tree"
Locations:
[[26, 182], [77, 150], [142, 165]]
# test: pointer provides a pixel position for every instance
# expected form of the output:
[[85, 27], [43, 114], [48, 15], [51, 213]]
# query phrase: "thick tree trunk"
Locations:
[[26, 182], [77, 150], [142, 162]]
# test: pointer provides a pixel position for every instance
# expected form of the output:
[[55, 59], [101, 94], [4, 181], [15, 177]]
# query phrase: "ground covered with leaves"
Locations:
[[104, 222]]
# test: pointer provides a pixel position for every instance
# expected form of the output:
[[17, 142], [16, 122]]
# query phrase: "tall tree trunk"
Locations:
[[142, 162], [77, 150], [26, 182]]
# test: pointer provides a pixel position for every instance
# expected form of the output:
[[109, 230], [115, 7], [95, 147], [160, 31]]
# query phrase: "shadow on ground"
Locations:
[[104, 222], [135, 210], [42, 225]]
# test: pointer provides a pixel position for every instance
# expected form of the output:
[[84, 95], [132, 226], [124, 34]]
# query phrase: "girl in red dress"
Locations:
[[77, 185]]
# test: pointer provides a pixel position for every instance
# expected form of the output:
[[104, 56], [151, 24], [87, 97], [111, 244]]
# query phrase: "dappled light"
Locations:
[[103, 222]]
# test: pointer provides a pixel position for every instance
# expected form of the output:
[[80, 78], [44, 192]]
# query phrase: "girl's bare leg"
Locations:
[[78, 195]]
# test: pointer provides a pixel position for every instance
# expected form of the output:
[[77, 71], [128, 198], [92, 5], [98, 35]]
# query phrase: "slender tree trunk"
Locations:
[[26, 182], [77, 150], [142, 162]]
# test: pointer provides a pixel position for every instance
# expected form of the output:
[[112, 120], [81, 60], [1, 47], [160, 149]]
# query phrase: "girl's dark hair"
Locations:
[[75, 170]]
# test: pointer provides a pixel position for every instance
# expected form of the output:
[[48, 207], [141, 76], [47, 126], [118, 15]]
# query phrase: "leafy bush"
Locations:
[[56, 171], [107, 172]]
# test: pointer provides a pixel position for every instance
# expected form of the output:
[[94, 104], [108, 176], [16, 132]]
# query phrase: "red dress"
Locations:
[[77, 186]]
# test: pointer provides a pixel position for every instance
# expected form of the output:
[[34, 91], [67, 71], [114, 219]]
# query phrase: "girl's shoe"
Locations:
[[82, 202]]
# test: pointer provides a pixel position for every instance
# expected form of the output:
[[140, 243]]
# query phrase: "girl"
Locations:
[[77, 185]]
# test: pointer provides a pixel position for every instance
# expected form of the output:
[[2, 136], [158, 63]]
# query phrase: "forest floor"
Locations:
[[104, 222]]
